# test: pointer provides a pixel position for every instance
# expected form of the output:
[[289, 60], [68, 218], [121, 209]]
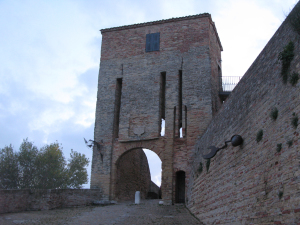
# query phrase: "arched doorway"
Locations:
[[155, 166], [180, 187], [133, 174]]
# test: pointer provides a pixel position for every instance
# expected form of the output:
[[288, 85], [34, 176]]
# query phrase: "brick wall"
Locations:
[[44, 199], [244, 184], [188, 44], [133, 175]]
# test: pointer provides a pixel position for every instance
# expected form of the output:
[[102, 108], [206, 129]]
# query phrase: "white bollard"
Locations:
[[137, 197]]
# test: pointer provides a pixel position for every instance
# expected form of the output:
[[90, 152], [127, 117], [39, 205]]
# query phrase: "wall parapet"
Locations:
[[45, 199]]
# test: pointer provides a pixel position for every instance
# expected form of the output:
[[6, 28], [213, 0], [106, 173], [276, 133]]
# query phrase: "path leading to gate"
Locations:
[[148, 212]]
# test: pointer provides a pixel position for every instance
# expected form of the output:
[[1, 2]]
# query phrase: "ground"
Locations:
[[148, 212]]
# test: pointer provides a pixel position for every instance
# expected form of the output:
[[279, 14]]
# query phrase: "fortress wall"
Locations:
[[44, 199], [244, 184]]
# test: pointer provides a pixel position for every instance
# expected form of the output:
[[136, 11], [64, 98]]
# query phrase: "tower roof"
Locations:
[[132, 26]]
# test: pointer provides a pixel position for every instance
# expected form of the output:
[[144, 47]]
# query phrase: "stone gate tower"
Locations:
[[163, 70]]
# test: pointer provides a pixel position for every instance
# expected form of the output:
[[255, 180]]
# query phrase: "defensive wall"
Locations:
[[178, 82], [134, 175], [259, 181], [44, 199]]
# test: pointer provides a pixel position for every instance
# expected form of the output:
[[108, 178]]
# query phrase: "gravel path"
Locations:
[[148, 212]]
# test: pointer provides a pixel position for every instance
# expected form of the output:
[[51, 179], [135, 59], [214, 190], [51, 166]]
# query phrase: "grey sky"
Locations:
[[50, 53]]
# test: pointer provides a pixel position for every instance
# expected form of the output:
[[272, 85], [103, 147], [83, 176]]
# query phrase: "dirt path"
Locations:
[[148, 212]]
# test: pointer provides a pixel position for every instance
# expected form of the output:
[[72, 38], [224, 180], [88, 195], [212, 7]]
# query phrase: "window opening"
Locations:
[[152, 42], [118, 95], [163, 127], [185, 121], [162, 105], [180, 104]]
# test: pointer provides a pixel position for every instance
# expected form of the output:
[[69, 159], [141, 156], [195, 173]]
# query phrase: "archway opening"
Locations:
[[133, 174], [155, 171], [180, 187]]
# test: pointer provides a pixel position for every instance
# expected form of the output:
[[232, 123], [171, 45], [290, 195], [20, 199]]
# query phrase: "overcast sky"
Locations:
[[50, 54]]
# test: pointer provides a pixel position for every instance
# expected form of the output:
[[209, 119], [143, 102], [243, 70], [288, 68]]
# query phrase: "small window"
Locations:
[[152, 42]]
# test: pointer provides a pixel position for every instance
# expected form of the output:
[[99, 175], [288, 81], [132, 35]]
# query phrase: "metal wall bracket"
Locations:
[[235, 140]]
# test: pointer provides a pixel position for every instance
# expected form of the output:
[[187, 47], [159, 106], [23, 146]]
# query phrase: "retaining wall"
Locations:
[[254, 183], [44, 199]]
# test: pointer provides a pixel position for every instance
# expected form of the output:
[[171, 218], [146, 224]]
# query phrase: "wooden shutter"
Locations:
[[156, 42], [148, 43], [152, 42]]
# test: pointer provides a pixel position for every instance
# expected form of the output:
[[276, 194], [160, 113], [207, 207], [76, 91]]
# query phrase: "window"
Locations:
[[152, 42]]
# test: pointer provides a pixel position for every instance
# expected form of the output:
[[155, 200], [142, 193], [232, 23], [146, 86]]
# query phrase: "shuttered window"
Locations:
[[152, 42]]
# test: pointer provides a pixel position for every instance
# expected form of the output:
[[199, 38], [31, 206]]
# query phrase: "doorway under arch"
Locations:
[[180, 187], [133, 174]]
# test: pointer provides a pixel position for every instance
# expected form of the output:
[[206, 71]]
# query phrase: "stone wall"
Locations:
[[154, 191], [133, 175], [189, 53], [44, 199], [256, 183]]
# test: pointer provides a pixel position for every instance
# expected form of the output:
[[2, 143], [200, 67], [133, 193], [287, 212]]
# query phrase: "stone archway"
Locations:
[[133, 174]]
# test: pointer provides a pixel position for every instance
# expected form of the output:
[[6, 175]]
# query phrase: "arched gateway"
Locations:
[[164, 70]]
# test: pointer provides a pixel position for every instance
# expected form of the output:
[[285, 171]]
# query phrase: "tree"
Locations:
[[9, 170], [76, 169], [51, 168], [46, 168], [27, 164]]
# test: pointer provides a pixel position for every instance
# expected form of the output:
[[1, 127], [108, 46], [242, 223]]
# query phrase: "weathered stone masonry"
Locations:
[[137, 89], [255, 183], [133, 175]]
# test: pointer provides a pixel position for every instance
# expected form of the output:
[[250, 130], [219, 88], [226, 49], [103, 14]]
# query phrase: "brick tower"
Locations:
[[162, 70]]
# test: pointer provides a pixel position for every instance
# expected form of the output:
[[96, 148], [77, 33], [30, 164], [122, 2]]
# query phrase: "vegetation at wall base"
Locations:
[[259, 135], [46, 168], [274, 114], [286, 57]]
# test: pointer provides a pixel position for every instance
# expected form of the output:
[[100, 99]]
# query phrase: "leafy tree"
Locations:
[[76, 169], [46, 168], [27, 164], [9, 170], [51, 168]]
